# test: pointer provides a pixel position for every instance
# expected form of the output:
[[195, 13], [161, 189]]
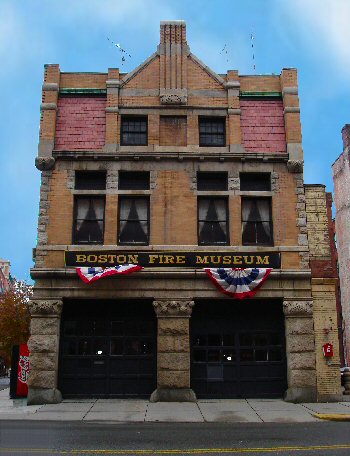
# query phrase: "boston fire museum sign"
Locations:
[[173, 259]]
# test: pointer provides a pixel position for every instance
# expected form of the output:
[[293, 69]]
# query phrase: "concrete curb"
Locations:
[[332, 416]]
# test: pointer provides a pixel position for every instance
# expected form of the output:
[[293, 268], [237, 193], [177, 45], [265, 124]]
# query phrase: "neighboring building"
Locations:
[[341, 178], [178, 164], [4, 275]]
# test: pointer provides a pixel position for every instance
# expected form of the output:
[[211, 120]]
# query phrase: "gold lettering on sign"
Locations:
[[237, 259], [102, 258], [121, 259], [180, 259], [202, 260], [134, 259], [91, 258], [80, 258], [226, 259], [111, 258], [152, 258], [262, 260], [169, 259], [246, 261]]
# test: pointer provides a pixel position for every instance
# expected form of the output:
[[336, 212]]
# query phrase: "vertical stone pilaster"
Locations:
[[173, 362], [112, 111], [44, 346], [234, 133], [300, 351], [326, 331]]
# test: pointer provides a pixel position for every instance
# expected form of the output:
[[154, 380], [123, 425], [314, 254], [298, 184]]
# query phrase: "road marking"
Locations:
[[179, 451]]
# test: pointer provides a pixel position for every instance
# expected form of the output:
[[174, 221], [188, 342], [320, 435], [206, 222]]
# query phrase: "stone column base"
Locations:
[[301, 394], [330, 398], [173, 395], [39, 396]]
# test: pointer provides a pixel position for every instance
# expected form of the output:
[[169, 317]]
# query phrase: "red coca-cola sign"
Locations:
[[327, 350], [23, 370]]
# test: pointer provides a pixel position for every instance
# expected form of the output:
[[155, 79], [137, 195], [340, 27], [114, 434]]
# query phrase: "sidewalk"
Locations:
[[136, 410]]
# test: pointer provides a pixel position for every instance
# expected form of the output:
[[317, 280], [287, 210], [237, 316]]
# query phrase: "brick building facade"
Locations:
[[173, 157], [341, 178]]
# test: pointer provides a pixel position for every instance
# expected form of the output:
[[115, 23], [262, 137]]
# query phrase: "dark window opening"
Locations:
[[130, 180], [211, 181], [212, 131], [89, 215], [213, 221], [256, 221], [260, 182], [133, 131], [90, 180], [133, 220]]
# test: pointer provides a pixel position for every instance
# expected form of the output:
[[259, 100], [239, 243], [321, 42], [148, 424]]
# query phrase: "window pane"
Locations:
[[260, 355], [246, 355], [129, 180], [100, 347], [133, 220], [212, 131], [214, 339], [228, 339], [261, 339], [255, 181], [84, 347], [134, 131], [200, 355], [200, 340], [212, 221], [275, 355], [117, 346], [229, 356], [90, 180], [214, 356], [245, 339], [89, 221], [207, 181]]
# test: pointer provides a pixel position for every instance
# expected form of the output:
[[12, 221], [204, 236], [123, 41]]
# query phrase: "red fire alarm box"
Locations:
[[327, 350]]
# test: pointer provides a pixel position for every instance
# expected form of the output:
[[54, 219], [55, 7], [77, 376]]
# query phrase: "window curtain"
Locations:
[[212, 221], [134, 220], [256, 213]]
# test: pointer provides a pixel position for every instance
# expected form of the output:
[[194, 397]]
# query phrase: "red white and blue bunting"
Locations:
[[92, 274], [238, 283]]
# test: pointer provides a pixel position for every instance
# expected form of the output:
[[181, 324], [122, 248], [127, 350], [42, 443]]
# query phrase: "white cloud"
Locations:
[[324, 26]]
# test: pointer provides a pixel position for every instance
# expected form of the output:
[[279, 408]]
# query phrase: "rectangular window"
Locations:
[[212, 131], [90, 180], [258, 182], [133, 180], [89, 220], [207, 181], [213, 221], [133, 226], [173, 131], [256, 221], [133, 131]]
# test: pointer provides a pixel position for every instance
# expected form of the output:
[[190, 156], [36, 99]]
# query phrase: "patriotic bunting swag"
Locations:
[[92, 274], [238, 283]]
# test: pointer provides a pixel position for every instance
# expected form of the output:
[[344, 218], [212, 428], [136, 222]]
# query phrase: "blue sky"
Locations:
[[311, 35]]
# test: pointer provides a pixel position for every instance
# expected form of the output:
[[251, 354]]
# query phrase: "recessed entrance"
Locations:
[[238, 349], [108, 349]]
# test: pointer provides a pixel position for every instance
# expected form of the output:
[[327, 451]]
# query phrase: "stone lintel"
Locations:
[[113, 109], [234, 111]]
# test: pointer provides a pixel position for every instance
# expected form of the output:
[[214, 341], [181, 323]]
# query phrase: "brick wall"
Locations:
[[262, 124], [173, 131], [341, 178], [81, 123]]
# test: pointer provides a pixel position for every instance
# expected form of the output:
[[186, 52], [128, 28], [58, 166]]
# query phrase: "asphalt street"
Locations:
[[78, 438]]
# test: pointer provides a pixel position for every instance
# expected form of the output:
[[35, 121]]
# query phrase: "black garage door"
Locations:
[[108, 349], [238, 349]]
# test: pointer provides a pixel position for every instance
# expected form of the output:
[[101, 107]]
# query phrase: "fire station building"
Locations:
[[177, 168]]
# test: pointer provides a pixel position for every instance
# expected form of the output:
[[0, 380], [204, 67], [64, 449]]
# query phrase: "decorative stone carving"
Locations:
[[173, 99], [173, 308], [45, 307], [295, 166], [292, 308], [44, 163]]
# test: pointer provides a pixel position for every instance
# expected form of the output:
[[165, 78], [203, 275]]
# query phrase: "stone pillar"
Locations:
[[173, 360], [43, 345], [300, 348]]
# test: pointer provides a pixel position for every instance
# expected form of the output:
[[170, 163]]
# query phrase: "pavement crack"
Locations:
[[89, 409], [200, 411], [255, 411], [146, 411]]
